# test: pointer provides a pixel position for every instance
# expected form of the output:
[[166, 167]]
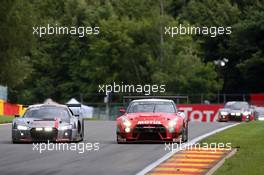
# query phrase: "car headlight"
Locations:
[[48, 129], [66, 127], [126, 122], [173, 122], [246, 113], [21, 127], [238, 114], [224, 113], [127, 130]]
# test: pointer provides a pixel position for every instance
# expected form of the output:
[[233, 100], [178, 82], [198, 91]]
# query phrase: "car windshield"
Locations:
[[237, 105], [47, 113], [166, 107]]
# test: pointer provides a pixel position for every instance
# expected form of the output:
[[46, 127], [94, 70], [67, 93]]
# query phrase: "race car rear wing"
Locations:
[[68, 105], [72, 107], [176, 99]]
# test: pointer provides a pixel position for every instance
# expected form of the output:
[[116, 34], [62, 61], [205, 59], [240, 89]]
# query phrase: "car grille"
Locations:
[[149, 128], [235, 118], [149, 136], [43, 135], [150, 132]]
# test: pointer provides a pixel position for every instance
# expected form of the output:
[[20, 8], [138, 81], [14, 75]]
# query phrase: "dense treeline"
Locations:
[[131, 47]]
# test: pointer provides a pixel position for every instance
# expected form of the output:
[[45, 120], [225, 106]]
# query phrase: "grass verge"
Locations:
[[249, 139], [6, 119]]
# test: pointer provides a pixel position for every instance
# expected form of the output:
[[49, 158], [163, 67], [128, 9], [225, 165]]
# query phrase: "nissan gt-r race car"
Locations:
[[236, 111], [47, 122], [152, 120]]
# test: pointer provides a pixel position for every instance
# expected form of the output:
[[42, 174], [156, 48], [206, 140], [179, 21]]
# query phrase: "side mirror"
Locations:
[[122, 110], [180, 110], [17, 116]]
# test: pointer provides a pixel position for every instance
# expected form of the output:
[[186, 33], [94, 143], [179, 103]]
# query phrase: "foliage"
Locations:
[[131, 47]]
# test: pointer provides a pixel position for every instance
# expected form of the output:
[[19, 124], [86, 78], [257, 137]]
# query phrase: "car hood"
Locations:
[[150, 117], [34, 122], [232, 110]]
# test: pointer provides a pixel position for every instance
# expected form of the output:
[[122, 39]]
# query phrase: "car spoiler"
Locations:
[[73, 111], [68, 105], [74, 105], [176, 98]]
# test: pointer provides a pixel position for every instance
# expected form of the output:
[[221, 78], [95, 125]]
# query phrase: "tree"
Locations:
[[16, 42]]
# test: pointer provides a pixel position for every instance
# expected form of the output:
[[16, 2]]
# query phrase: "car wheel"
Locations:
[[82, 133], [118, 140], [183, 135], [186, 134], [79, 136], [14, 142]]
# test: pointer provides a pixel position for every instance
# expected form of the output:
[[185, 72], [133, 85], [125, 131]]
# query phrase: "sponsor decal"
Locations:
[[149, 122], [201, 113], [43, 123]]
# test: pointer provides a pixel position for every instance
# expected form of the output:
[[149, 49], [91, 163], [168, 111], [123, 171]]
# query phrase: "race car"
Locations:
[[259, 113], [236, 111], [152, 120], [47, 122]]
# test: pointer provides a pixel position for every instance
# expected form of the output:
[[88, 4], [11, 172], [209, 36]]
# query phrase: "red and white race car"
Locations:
[[236, 111], [152, 120]]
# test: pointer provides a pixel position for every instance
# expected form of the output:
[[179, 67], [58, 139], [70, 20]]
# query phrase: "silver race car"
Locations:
[[48, 122], [236, 111], [259, 113]]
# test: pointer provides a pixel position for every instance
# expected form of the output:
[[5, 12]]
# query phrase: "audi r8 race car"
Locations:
[[236, 111], [259, 113], [47, 122], [152, 120]]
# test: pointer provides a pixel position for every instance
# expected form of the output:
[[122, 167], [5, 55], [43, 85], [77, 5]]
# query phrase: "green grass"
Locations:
[[6, 119], [249, 139]]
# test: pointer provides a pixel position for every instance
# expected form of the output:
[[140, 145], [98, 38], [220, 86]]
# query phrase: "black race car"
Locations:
[[48, 122]]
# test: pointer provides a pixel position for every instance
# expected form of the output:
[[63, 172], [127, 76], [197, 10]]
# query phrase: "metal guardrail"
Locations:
[[180, 98], [110, 111]]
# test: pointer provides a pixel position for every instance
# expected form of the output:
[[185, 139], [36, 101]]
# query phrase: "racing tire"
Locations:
[[185, 135], [118, 141], [15, 142], [19, 142], [82, 131]]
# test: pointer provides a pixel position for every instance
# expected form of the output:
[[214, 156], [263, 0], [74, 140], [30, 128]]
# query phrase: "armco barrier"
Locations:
[[22, 110], [201, 112], [195, 112], [11, 109], [1, 107]]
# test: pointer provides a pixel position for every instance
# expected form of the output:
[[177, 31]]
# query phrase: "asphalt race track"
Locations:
[[111, 159]]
